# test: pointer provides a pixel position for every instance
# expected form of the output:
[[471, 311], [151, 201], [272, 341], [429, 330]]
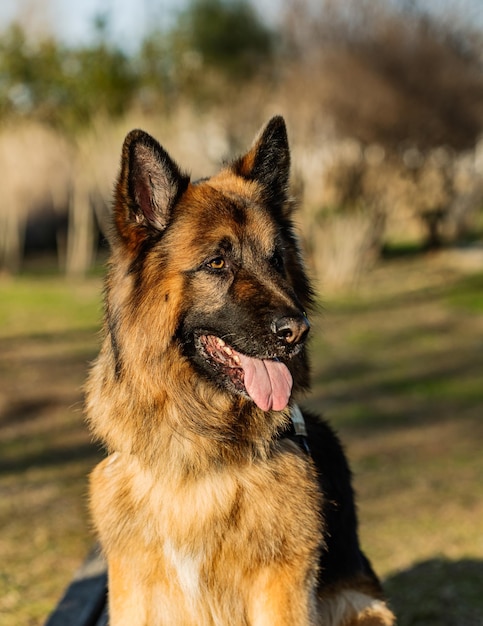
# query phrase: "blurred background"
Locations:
[[384, 106]]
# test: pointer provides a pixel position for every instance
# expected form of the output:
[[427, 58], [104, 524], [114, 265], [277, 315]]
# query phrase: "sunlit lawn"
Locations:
[[48, 334], [398, 369]]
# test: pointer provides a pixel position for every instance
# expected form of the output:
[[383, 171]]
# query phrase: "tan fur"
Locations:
[[126, 496], [198, 530], [354, 608]]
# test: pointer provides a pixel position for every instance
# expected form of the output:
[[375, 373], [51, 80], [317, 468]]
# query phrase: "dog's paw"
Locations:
[[376, 614], [353, 608]]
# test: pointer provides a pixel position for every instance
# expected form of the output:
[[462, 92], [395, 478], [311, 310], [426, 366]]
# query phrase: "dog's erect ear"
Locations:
[[148, 187], [268, 162]]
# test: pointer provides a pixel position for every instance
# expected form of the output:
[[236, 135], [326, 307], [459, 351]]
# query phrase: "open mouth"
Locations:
[[267, 382]]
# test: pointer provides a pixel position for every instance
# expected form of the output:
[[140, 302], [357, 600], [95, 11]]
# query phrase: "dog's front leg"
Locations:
[[281, 597], [127, 604]]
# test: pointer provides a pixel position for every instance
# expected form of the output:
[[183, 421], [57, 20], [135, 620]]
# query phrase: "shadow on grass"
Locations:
[[390, 382], [50, 457], [438, 592], [90, 336], [32, 409], [464, 294], [41, 423]]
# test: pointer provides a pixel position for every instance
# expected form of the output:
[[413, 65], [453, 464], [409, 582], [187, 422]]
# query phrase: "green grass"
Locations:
[[48, 335], [48, 304], [467, 295], [397, 369]]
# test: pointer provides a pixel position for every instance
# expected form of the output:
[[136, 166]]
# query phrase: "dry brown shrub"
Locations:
[[35, 176], [387, 76], [346, 245]]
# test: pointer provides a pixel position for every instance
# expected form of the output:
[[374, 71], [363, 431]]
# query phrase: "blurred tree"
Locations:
[[63, 86], [156, 67], [99, 79], [221, 37], [391, 76], [29, 72], [228, 36], [214, 45]]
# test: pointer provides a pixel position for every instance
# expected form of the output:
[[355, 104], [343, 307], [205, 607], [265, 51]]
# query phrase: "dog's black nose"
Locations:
[[291, 330]]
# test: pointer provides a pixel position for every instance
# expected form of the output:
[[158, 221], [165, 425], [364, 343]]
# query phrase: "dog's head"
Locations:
[[214, 267]]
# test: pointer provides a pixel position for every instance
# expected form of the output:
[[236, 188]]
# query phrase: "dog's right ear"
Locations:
[[268, 163], [148, 187]]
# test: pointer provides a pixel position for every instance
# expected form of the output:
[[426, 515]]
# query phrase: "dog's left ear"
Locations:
[[149, 185], [268, 162]]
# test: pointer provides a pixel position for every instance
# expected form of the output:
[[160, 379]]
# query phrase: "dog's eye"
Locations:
[[218, 263], [277, 262]]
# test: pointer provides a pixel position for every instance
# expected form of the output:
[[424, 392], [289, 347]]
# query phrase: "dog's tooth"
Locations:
[[227, 350], [220, 342], [236, 358]]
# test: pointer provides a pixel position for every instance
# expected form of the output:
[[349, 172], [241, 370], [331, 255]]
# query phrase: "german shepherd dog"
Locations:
[[220, 503]]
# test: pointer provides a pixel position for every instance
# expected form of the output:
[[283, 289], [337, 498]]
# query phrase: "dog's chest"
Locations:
[[244, 514], [242, 517], [186, 568]]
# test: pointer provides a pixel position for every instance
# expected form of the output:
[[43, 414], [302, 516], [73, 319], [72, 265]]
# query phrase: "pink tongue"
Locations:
[[268, 383]]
